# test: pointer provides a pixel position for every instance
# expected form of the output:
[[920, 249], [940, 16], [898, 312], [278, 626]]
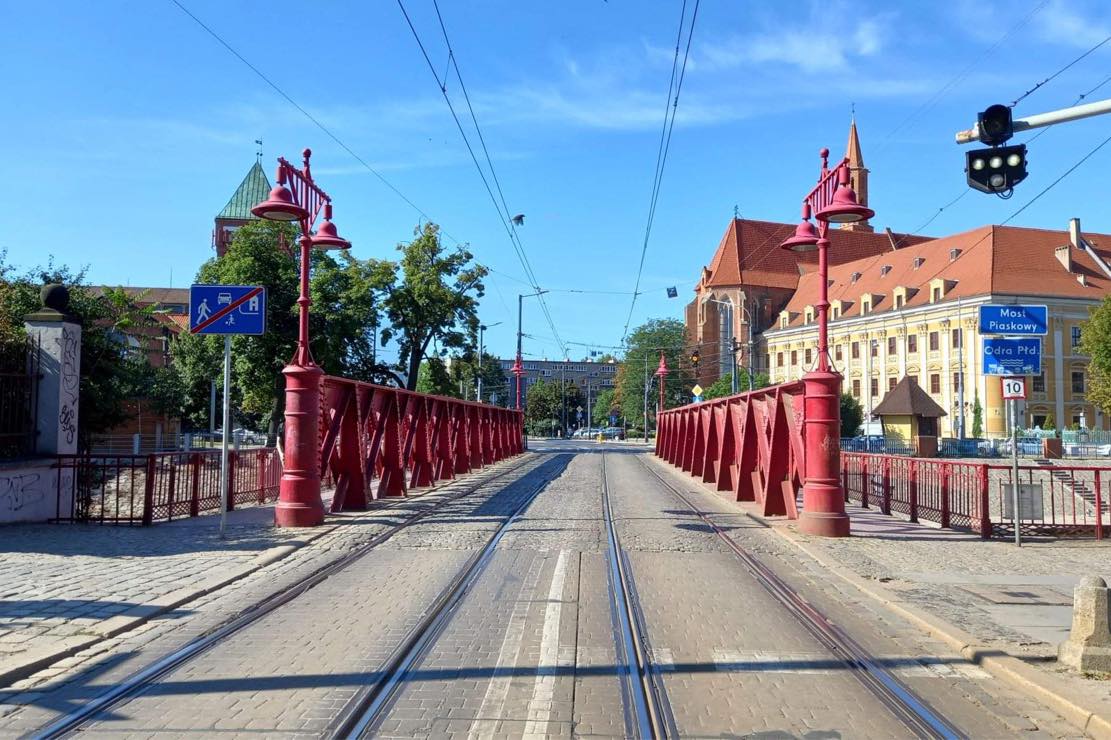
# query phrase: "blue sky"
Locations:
[[127, 127]]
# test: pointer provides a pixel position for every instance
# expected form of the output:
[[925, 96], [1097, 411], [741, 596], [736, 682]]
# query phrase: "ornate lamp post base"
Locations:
[[299, 503], [823, 500]]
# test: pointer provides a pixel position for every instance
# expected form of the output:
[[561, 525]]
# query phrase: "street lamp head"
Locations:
[[280, 206], [326, 236], [844, 208], [805, 238]]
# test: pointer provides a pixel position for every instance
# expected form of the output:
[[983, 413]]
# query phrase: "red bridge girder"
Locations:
[[750, 444], [405, 439]]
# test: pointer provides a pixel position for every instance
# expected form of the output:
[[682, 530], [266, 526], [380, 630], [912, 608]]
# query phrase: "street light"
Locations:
[[518, 366], [481, 329], [296, 197], [832, 201]]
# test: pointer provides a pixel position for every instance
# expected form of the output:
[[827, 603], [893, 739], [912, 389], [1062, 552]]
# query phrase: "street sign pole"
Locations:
[[1014, 471], [224, 442]]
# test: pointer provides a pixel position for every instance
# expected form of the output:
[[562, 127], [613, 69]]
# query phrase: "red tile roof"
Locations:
[[749, 253], [990, 259]]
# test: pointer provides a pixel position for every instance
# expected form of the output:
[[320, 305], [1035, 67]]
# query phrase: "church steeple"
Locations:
[[254, 189], [858, 176]]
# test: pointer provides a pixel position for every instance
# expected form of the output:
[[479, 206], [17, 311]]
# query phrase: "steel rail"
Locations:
[[909, 708], [650, 713], [143, 678], [367, 708]]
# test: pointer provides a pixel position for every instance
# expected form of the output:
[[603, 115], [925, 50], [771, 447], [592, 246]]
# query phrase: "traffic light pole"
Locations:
[[1064, 115]]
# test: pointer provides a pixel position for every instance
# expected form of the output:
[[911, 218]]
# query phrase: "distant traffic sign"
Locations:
[[1014, 320], [1014, 388], [697, 390], [696, 399], [1018, 356], [227, 309]]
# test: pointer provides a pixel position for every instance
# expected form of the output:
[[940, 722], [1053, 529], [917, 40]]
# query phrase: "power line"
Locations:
[[1020, 98], [1053, 184], [503, 215], [665, 145], [1076, 102]]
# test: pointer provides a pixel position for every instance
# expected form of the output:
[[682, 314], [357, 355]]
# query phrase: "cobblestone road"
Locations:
[[530, 651]]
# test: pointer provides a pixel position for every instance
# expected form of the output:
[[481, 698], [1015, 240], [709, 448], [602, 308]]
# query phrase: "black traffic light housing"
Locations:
[[695, 358], [995, 125], [996, 170]]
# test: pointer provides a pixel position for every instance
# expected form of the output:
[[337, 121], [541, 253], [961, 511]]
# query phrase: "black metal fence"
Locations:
[[19, 374]]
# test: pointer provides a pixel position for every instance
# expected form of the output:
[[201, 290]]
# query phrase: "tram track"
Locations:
[[139, 681], [912, 710]]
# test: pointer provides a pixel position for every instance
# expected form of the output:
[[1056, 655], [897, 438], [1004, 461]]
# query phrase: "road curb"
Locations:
[[32, 661], [1038, 684], [27, 664]]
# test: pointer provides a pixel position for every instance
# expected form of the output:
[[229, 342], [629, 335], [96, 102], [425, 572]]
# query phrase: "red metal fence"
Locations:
[[750, 444], [405, 440], [1056, 500], [144, 489]]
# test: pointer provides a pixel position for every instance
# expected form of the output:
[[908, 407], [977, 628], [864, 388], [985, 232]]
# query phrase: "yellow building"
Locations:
[[914, 311]]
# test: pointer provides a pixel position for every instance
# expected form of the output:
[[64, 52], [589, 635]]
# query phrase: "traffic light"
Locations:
[[995, 125], [695, 358], [996, 170]]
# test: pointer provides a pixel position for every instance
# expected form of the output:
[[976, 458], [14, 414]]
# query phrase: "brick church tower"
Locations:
[[254, 189], [858, 177]]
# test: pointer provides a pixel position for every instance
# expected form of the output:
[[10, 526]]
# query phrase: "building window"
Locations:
[[1039, 383], [1077, 381], [856, 350], [794, 357], [856, 389], [779, 359], [956, 381], [934, 342], [890, 346], [1075, 338], [891, 383], [935, 383], [838, 353], [874, 387], [898, 300], [956, 338], [874, 348], [1075, 420], [912, 343], [836, 311], [935, 294], [807, 358], [1039, 421]]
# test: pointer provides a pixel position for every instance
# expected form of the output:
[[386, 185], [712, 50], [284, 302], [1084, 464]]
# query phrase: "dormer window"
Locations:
[[835, 309], [808, 315], [918, 262], [939, 288], [865, 305], [784, 319], [900, 299], [854, 277], [935, 294], [884, 270], [953, 254]]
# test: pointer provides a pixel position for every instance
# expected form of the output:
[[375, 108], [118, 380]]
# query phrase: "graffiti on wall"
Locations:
[[19, 491], [71, 384]]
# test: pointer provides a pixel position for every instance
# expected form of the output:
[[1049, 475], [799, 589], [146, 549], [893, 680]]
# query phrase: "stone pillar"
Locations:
[[57, 336], [1089, 645], [947, 389]]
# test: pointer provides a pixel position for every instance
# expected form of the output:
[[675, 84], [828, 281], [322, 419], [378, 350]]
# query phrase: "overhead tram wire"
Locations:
[[665, 145], [1026, 94], [503, 217], [1079, 99]]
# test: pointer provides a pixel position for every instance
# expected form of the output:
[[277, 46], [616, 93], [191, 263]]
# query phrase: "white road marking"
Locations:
[[821, 664], [493, 703], [662, 659], [543, 691]]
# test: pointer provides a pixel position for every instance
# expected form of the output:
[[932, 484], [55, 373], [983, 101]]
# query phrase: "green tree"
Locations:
[[977, 417], [542, 407], [1095, 341], [604, 405], [644, 346], [435, 298], [433, 377], [345, 293], [113, 366], [852, 415], [723, 386]]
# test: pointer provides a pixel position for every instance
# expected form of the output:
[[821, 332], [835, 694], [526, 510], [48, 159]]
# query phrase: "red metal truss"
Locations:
[[402, 439], [750, 444]]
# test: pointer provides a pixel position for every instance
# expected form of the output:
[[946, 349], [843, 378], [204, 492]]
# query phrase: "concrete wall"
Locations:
[[29, 491]]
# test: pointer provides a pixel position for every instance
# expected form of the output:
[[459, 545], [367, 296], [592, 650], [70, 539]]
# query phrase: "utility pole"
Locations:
[[518, 367], [482, 349], [646, 396], [960, 373], [751, 345], [563, 398], [733, 357]]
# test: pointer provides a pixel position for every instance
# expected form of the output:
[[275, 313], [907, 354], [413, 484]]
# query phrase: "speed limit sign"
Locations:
[[1014, 389]]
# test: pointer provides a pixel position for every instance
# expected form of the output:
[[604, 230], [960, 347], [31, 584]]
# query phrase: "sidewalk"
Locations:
[[66, 587]]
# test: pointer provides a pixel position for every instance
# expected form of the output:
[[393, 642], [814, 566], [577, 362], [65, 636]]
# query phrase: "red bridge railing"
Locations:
[[404, 440], [750, 444]]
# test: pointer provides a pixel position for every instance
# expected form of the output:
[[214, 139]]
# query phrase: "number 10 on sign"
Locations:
[[1014, 389]]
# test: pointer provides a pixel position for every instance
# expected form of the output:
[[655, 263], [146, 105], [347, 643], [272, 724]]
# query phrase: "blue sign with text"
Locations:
[[1014, 320], [1019, 356], [227, 309]]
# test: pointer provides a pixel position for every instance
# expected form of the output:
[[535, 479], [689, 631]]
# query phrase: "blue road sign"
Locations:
[[1014, 320], [613, 420], [1018, 356], [696, 399], [227, 309]]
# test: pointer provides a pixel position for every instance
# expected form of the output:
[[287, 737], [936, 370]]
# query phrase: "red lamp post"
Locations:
[[823, 501], [661, 373], [518, 370], [296, 197]]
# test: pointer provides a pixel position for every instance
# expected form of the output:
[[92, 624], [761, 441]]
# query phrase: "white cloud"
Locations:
[[1065, 23]]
